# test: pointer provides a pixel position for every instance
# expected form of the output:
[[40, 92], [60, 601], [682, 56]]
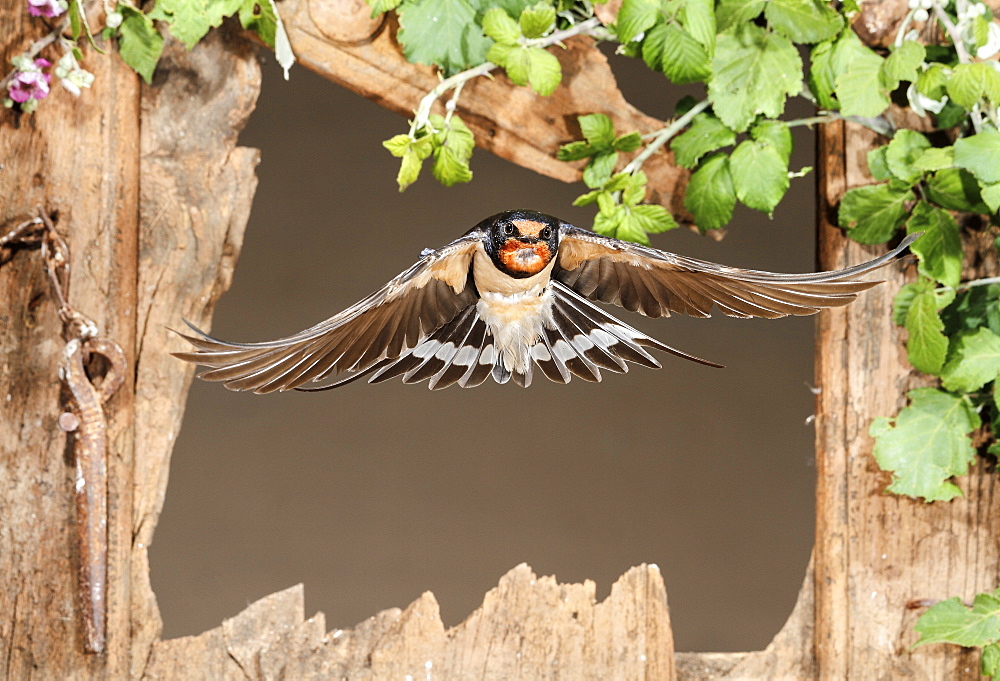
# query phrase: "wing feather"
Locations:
[[657, 283]]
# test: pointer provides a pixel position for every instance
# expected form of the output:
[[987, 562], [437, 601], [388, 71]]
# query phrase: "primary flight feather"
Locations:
[[512, 296]]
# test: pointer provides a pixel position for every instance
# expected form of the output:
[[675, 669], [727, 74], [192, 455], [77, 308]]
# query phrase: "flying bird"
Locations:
[[513, 296]]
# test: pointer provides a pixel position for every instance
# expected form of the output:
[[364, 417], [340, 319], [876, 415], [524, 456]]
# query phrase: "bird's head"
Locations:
[[521, 242]]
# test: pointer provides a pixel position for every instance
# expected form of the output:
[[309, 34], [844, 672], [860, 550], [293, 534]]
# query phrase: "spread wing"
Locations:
[[656, 283], [381, 327]]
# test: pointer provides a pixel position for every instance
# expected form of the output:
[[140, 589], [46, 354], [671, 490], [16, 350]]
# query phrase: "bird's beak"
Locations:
[[527, 239]]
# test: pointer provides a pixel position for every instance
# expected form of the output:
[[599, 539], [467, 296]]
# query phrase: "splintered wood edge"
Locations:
[[528, 627]]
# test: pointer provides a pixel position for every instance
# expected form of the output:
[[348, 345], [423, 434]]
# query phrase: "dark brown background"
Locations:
[[372, 494]]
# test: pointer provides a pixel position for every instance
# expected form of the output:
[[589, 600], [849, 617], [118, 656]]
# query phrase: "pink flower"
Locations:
[[46, 8], [30, 83]]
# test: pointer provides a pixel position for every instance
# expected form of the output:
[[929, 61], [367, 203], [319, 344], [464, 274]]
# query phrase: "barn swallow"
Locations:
[[515, 294]]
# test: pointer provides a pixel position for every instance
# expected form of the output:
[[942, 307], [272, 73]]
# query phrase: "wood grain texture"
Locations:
[[197, 187], [75, 157], [510, 121], [527, 628], [875, 552]]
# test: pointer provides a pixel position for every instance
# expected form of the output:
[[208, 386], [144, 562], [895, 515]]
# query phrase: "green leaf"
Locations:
[[652, 218], [990, 663], [635, 17], [760, 174], [872, 214], [804, 21], [974, 361], [753, 72], [498, 25], [878, 165], [597, 129], [260, 17], [574, 151], [382, 6], [710, 194], [935, 158], [672, 51], [906, 146], [980, 154], [950, 116], [927, 346], [925, 445], [536, 21], [969, 82], [940, 248], [955, 189], [139, 43], [731, 12], [951, 621], [409, 169], [907, 294], [859, 84], [979, 306], [451, 157], [635, 189], [698, 19], [544, 71], [190, 20], [443, 33], [599, 170], [931, 82], [627, 143], [991, 196], [707, 133], [398, 145], [777, 134], [822, 78], [587, 199], [903, 64]]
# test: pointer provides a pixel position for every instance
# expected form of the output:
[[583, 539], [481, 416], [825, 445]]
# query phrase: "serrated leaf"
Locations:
[[979, 306], [672, 51], [597, 129], [980, 155], [872, 214], [906, 146], [607, 222], [973, 361], [574, 151], [652, 218], [926, 346], [398, 145], [931, 82], [967, 84], [951, 621], [498, 25], [260, 18], [935, 158], [731, 12], [587, 199], [777, 134], [950, 115], [878, 166], [903, 64], [904, 299], [443, 33], [926, 444], [707, 133], [822, 78], [139, 43], [710, 195], [991, 196], [753, 72], [535, 21], [544, 71], [940, 248], [599, 170], [635, 17], [409, 169], [698, 19], [804, 21], [955, 189], [382, 6], [760, 175], [990, 661], [190, 20], [627, 143], [859, 84], [451, 157]]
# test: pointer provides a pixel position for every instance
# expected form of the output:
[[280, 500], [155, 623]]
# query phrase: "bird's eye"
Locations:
[[508, 228], [545, 233]]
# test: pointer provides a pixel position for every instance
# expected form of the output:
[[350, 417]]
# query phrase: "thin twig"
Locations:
[[664, 136], [963, 56]]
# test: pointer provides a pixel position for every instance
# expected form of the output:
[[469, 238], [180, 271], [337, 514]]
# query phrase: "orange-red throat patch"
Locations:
[[523, 258]]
